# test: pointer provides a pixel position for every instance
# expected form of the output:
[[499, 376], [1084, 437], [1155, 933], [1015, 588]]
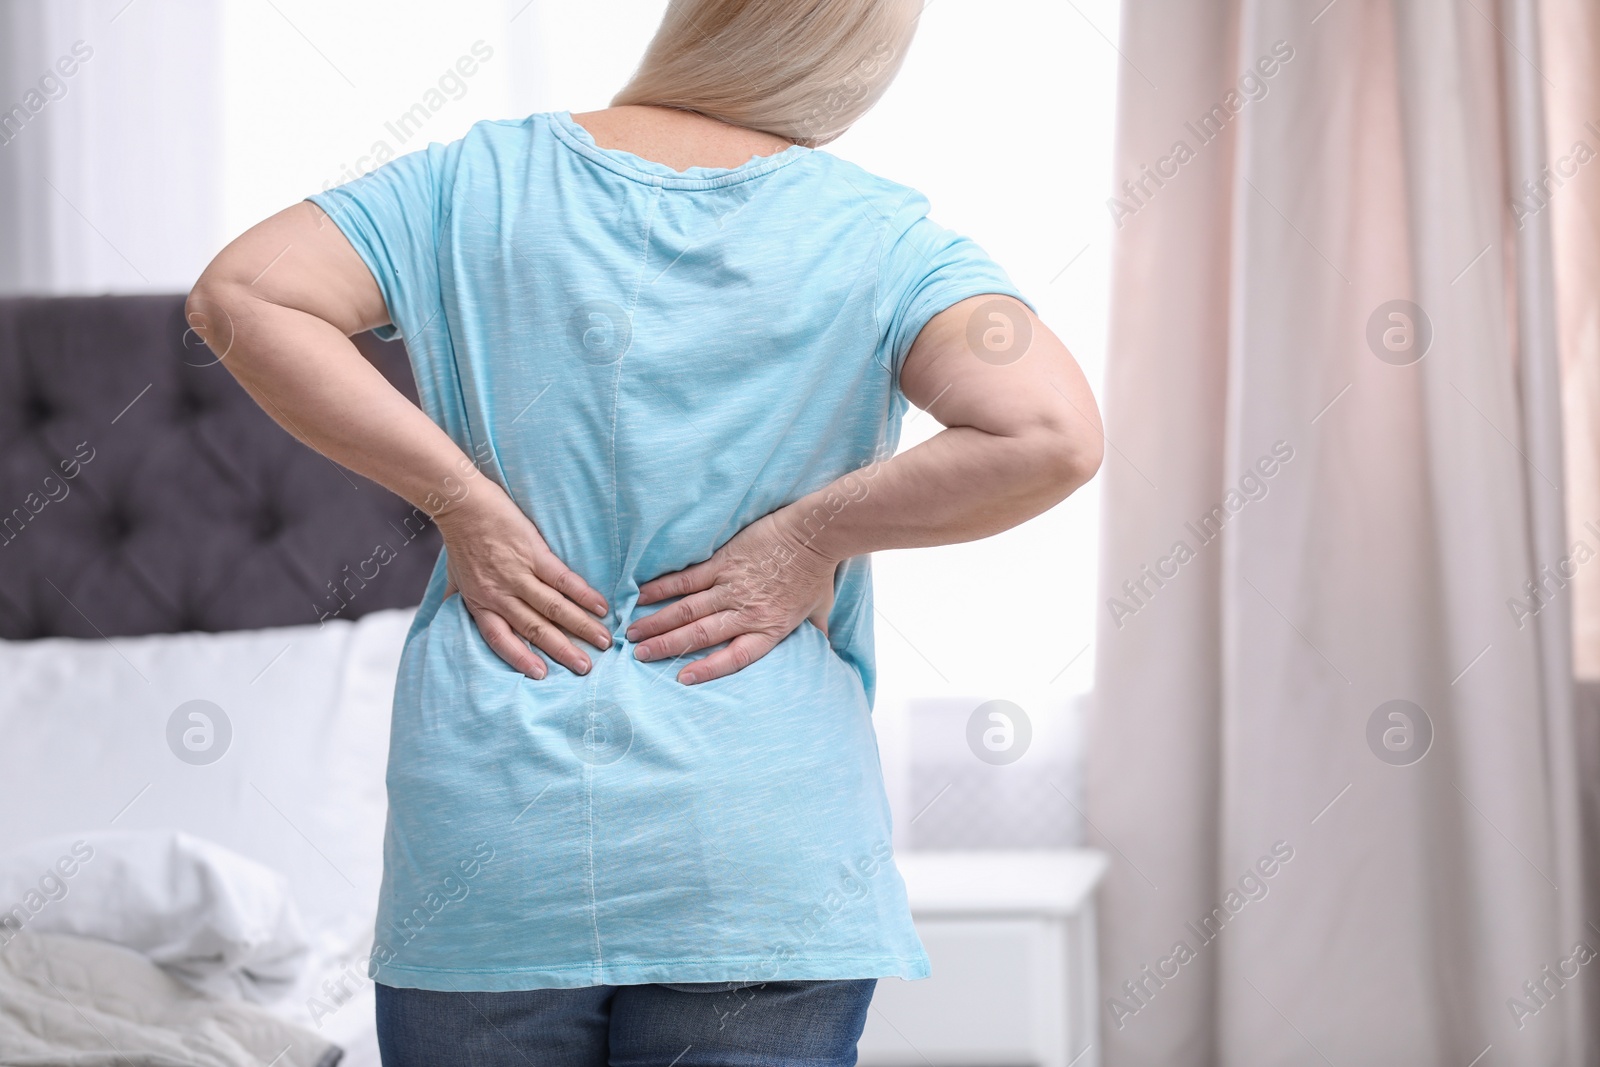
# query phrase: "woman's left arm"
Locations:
[[278, 307], [1020, 436]]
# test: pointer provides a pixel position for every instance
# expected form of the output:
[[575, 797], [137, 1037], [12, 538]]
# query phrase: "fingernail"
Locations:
[[538, 673], [600, 607], [584, 665], [690, 678], [645, 652], [604, 642]]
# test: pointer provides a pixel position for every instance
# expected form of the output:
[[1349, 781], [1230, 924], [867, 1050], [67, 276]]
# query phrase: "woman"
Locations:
[[663, 352]]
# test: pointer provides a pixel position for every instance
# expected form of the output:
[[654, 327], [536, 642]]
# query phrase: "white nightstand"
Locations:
[[1012, 940]]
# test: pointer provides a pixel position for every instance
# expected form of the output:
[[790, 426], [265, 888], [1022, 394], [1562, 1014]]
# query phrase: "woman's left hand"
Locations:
[[753, 592]]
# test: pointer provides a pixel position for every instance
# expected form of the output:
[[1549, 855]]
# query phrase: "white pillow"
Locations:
[[97, 740], [220, 922]]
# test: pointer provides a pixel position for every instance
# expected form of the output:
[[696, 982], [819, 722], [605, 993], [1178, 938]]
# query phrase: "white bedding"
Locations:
[[91, 749], [79, 1002], [220, 922]]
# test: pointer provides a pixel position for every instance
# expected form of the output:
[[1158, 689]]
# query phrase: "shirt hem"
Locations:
[[753, 970]]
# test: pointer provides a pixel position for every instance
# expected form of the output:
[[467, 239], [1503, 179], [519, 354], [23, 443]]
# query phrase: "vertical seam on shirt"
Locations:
[[616, 552], [616, 380], [588, 793]]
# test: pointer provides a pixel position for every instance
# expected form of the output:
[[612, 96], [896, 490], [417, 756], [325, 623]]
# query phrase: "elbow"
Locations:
[[209, 312], [194, 308], [1050, 464], [207, 290], [1074, 460], [1067, 450], [1085, 456], [209, 296]]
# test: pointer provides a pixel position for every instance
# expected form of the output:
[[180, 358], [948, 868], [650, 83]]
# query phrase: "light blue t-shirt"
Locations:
[[647, 361]]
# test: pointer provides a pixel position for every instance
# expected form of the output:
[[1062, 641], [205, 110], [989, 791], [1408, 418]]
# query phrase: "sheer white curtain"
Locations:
[[1332, 747], [109, 117]]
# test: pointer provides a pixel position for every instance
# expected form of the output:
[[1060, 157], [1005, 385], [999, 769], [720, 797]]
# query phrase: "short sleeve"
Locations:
[[392, 217], [924, 270]]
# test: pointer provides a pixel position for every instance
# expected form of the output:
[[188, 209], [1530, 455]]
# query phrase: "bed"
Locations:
[[200, 635]]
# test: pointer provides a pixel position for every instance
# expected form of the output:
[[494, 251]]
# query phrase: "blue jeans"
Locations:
[[711, 1024]]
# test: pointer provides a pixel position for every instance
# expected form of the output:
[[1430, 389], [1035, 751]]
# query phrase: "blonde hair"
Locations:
[[804, 70]]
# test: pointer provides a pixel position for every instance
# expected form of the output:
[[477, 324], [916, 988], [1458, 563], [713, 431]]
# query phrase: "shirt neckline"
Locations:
[[648, 171]]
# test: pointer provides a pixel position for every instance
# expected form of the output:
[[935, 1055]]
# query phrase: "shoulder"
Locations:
[[892, 207], [487, 132], [487, 140], [488, 148], [492, 140]]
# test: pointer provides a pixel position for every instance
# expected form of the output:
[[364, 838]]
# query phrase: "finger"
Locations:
[[547, 637], [554, 607], [504, 642], [565, 581], [679, 583], [701, 633], [740, 653], [682, 613]]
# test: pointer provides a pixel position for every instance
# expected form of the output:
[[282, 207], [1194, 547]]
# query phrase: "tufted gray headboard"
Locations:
[[143, 491]]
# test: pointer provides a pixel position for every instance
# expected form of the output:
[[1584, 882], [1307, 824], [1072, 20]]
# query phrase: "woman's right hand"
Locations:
[[515, 588]]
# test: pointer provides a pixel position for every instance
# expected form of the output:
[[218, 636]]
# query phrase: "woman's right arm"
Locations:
[[278, 307], [1019, 437]]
